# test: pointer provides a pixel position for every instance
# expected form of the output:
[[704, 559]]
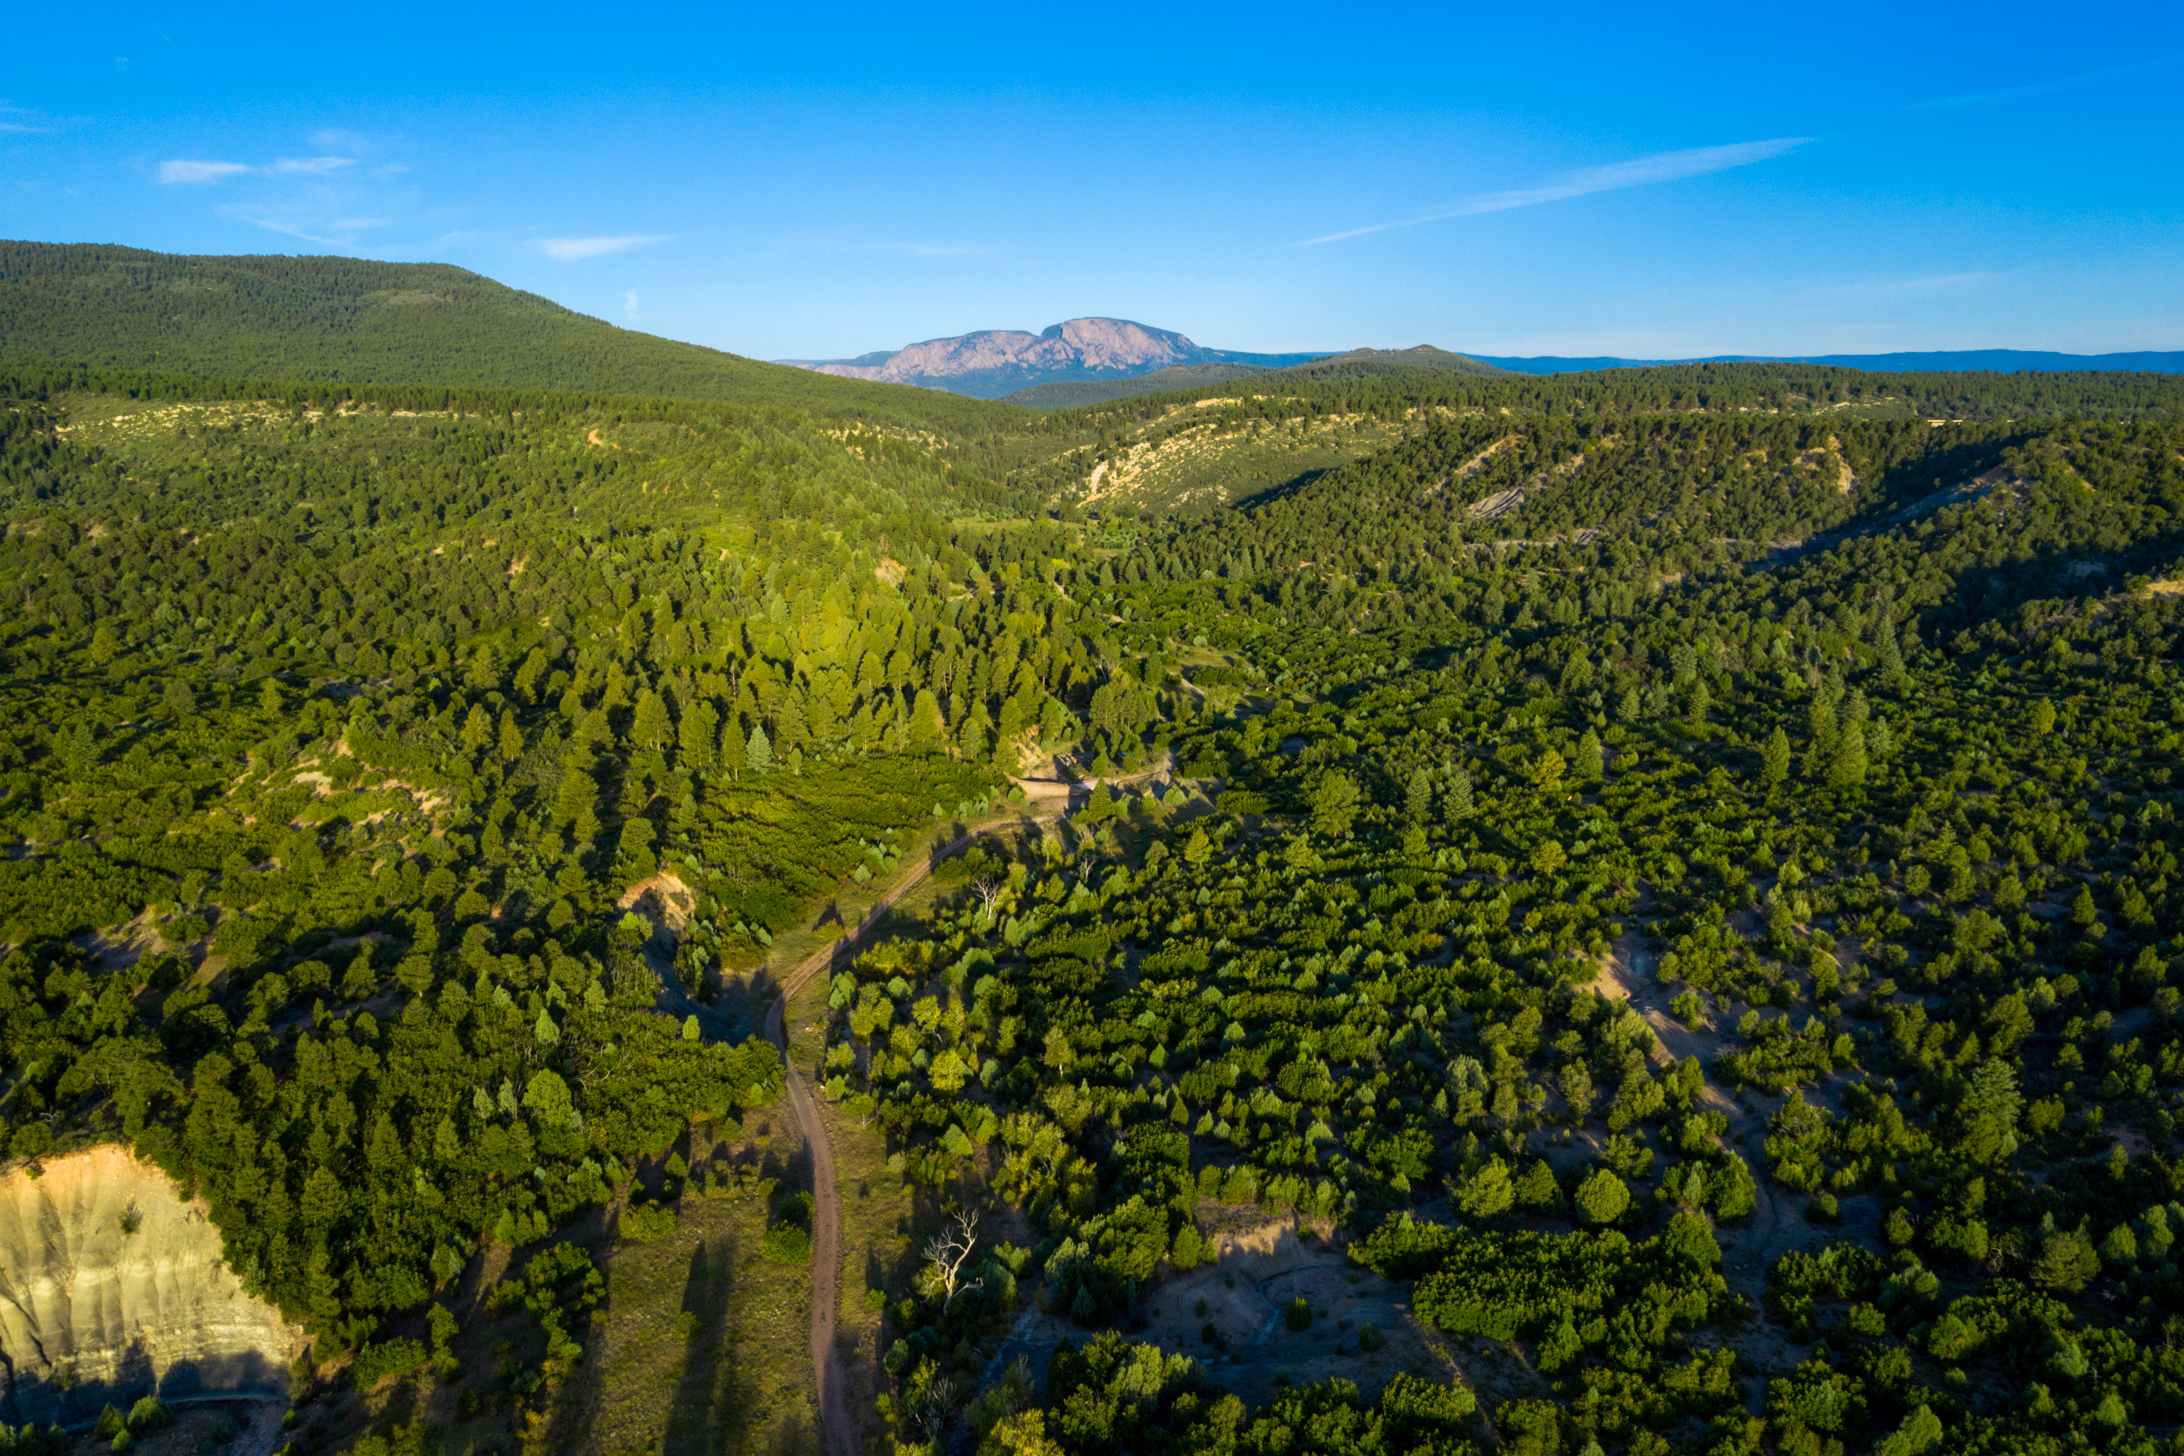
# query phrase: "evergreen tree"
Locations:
[[478, 730], [650, 726], [1591, 760], [757, 751], [1603, 1197], [1488, 1192], [1418, 797], [696, 734], [1456, 801], [1774, 759], [1847, 770]]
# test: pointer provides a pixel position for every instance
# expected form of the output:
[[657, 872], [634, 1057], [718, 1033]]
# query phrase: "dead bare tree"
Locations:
[[988, 891], [947, 1253], [936, 1403]]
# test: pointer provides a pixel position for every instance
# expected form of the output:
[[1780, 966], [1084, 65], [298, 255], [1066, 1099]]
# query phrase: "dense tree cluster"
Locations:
[[1595, 831], [1890, 816]]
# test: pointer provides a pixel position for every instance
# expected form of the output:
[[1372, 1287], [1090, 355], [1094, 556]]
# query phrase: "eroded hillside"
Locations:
[[113, 1286]]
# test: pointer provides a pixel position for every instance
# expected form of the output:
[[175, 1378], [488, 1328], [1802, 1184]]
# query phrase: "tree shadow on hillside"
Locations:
[[716, 1402], [1274, 493]]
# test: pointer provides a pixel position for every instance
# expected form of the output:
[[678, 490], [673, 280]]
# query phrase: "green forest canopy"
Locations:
[[1846, 736]]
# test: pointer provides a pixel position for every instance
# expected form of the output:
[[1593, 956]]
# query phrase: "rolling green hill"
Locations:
[[1357, 364], [1690, 848], [1077, 393], [355, 321], [1373, 363]]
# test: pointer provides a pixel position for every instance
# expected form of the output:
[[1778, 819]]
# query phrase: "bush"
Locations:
[[647, 1223], [1299, 1315], [149, 1414], [787, 1243], [389, 1357], [1602, 1198]]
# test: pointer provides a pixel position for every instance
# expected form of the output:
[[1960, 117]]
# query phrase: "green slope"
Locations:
[[1357, 364], [1376, 363], [355, 321], [1077, 393]]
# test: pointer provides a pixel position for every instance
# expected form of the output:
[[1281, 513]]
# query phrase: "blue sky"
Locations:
[[817, 181]]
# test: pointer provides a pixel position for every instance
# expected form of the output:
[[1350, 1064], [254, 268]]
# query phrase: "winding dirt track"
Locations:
[[836, 1429], [1774, 1225]]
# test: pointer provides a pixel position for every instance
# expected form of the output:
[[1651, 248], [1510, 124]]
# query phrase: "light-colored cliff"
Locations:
[[113, 1286]]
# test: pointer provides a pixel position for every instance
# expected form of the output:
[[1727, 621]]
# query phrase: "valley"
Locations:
[[1364, 906]]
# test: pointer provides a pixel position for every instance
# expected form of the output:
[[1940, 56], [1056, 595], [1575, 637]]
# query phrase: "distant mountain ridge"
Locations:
[[995, 362], [1946, 361], [1355, 364]]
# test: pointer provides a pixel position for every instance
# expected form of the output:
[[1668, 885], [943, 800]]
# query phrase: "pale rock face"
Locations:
[[122, 1313], [1081, 348]]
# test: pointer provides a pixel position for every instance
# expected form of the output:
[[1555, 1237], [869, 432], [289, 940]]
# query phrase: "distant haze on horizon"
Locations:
[[1734, 182]]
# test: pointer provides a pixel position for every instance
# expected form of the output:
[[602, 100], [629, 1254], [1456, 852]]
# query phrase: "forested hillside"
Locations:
[[354, 321], [1600, 882], [1619, 914]]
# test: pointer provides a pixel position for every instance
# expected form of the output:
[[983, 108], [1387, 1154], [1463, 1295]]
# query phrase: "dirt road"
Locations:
[[1774, 1226], [837, 1431]]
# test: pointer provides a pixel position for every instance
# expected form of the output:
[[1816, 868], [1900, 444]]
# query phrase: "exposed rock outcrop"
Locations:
[[994, 362], [112, 1286]]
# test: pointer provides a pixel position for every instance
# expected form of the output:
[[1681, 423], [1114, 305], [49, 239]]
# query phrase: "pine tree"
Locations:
[[1456, 800], [1418, 797], [650, 726], [1774, 759], [926, 727], [1591, 761], [699, 728], [1847, 769], [477, 728], [1602, 1198], [1489, 1191], [758, 751], [511, 737], [577, 799]]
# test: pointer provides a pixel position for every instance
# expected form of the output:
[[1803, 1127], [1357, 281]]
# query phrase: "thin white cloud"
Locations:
[[2040, 88], [287, 231], [313, 166], [1926, 284], [1640, 172], [198, 171], [334, 139], [629, 308], [568, 250]]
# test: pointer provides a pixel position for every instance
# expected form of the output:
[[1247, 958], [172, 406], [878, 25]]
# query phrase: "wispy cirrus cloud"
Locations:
[[31, 121], [2002, 94], [1639, 172], [312, 166], [190, 171], [569, 250], [197, 171], [334, 139]]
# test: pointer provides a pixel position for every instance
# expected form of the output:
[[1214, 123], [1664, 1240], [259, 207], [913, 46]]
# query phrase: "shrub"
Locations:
[[787, 1243], [1299, 1315], [647, 1223], [388, 1357], [1602, 1198]]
